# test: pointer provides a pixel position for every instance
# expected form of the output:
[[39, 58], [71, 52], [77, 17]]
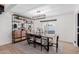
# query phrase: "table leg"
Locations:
[[41, 44], [48, 44], [57, 47], [34, 42]]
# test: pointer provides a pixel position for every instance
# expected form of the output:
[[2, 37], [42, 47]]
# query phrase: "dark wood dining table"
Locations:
[[41, 38]]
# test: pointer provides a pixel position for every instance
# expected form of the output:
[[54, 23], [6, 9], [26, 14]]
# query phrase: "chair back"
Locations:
[[57, 39]]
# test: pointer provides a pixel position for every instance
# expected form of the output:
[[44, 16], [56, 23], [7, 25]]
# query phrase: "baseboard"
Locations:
[[5, 43], [65, 41]]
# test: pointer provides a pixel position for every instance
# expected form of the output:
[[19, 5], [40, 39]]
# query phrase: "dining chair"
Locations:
[[54, 42]]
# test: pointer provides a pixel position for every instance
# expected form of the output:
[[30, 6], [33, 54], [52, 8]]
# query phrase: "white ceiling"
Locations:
[[24, 8], [50, 10], [8, 7], [31, 10]]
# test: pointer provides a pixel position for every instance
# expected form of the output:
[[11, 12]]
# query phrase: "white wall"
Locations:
[[5, 29], [65, 25]]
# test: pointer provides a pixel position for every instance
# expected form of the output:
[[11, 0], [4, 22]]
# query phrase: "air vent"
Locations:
[[1, 9]]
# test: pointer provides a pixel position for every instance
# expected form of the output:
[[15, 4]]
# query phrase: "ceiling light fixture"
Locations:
[[41, 16], [38, 11]]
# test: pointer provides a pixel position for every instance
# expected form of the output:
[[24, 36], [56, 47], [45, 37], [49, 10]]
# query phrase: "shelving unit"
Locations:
[[18, 28]]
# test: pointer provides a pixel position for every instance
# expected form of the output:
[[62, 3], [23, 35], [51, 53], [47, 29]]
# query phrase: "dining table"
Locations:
[[41, 37]]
